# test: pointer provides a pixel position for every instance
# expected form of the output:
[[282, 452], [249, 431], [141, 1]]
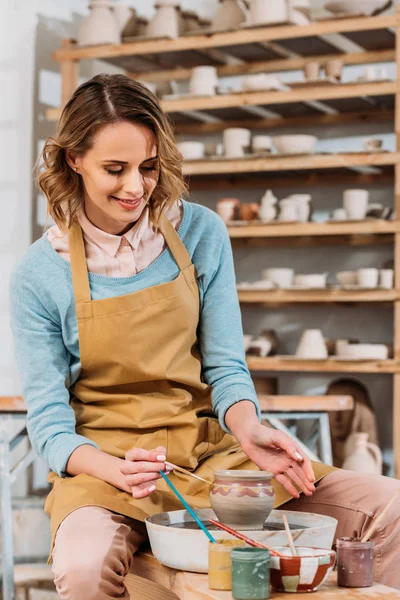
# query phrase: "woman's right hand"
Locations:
[[141, 469]]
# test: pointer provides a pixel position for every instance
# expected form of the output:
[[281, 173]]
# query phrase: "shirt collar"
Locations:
[[109, 242]]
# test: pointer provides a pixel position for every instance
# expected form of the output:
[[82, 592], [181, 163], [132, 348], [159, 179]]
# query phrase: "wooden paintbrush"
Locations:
[[182, 470], [243, 537]]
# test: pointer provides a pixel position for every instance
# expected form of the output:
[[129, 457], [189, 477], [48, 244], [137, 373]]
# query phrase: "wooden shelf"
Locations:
[[315, 296], [277, 162], [373, 227], [274, 363]]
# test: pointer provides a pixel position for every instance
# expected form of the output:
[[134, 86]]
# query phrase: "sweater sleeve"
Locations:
[[224, 365], [43, 362]]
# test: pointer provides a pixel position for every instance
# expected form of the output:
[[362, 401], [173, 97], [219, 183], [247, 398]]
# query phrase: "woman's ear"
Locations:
[[71, 159]]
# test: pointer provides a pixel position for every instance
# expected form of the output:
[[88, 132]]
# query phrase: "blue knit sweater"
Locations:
[[45, 328]]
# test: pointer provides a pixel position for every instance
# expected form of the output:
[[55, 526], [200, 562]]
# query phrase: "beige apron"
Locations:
[[140, 385]]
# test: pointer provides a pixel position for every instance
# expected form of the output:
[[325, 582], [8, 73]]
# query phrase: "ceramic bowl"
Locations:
[[366, 351], [261, 81], [191, 150], [282, 278], [242, 499], [347, 277], [302, 573], [312, 281], [295, 144]]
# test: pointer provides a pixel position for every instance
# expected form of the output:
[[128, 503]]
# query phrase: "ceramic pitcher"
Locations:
[[362, 455], [165, 22], [100, 27], [230, 14]]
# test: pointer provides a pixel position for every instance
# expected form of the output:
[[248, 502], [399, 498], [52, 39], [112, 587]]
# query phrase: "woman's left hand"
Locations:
[[278, 453]]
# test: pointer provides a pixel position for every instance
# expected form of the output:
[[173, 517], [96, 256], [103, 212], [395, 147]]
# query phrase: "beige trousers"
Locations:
[[94, 548]]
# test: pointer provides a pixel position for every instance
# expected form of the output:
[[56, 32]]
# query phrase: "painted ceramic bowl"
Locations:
[[242, 499], [302, 573]]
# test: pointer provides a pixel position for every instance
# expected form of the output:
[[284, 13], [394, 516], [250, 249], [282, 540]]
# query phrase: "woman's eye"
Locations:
[[149, 169], [110, 172]]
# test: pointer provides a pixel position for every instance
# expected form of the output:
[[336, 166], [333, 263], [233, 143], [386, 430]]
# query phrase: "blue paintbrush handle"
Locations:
[[190, 510]]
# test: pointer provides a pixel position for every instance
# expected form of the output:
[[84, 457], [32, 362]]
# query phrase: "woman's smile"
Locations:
[[126, 203]]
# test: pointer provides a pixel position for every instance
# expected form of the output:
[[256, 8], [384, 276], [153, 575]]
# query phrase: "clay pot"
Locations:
[[100, 27], [249, 211], [242, 499], [362, 455], [230, 14], [165, 22]]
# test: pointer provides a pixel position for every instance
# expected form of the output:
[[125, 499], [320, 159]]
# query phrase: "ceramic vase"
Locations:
[[165, 22], [100, 27], [230, 14], [312, 345], [361, 455], [122, 14], [242, 499], [268, 210]]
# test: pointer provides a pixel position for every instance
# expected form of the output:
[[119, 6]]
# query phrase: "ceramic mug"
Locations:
[[386, 278], [288, 210], [226, 208], [261, 81], [368, 278], [312, 71], [236, 139], [265, 11], [261, 143], [333, 68], [355, 203], [204, 81], [312, 345]]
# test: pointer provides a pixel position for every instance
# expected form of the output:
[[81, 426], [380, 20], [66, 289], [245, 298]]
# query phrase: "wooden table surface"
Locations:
[[194, 586]]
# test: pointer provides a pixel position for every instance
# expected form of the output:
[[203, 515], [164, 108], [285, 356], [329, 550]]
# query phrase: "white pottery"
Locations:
[[333, 68], [366, 351], [373, 144], [312, 345], [263, 345], [374, 73], [268, 209], [100, 27], [226, 208], [362, 456], [347, 278], [366, 7], [355, 203], [295, 144], [123, 15], [261, 143], [312, 71], [386, 278], [368, 278], [341, 347], [266, 11], [165, 22], [191, 150], [203, 81], [317, 280], [296, 16], [303, 207], [339, 214], [187, 549], [236, 140], [247, 339], [261, 81], [288, 210], [282, 278], [229, 15]]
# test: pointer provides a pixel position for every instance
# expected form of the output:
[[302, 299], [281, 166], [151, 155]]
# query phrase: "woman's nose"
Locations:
[[133, 184]]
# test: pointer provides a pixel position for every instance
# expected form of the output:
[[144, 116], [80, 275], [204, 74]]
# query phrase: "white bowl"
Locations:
[[312, 281], [347, 277], [282, 278], [191, 150], [261, 81], [366, 351], [295, 144], [366, 7]]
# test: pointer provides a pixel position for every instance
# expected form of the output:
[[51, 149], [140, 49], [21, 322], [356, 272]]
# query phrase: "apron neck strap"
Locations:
[[80, 275], [174, 243]]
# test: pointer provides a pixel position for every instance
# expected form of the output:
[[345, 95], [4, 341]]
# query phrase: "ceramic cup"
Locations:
[[386, 278], [282, 278], [236, 140], [368, 278], [265, 11], [333, 68], [288, 210], [347, 278], [261, 143], [242, 499], [312, 71], [226, 208], [204, 81], [373, 144], [355, 203], [312, 345]]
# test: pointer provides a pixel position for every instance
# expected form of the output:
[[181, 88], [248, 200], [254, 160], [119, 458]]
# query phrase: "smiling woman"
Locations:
[[129, 340]]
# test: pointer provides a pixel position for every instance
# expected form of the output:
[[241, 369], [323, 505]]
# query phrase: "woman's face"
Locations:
[[119, 174]]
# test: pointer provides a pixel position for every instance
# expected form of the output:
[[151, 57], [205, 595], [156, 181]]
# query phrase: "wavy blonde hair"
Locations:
[[101, 100]]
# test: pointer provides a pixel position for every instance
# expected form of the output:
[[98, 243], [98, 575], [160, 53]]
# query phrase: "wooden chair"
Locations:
[[276, 409]]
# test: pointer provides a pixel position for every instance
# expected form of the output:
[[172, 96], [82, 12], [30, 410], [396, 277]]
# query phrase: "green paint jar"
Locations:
[[250, 573]]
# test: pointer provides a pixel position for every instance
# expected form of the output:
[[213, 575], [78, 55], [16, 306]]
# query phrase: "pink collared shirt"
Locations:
[[117, 255]]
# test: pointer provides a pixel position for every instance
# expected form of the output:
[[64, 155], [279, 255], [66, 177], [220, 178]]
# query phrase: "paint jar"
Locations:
[[219, 563], [250, 573], [355, 563]]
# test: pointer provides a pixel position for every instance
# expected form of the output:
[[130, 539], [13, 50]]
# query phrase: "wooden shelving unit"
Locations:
[[277, 49]]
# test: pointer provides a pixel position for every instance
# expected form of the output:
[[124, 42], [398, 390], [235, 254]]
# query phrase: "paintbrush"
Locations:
[[371, 530], [182, 470], [289, 535], [243, 537], [186, 505]]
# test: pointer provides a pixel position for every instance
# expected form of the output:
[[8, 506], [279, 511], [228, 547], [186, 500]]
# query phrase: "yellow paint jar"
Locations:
[[219, 563]]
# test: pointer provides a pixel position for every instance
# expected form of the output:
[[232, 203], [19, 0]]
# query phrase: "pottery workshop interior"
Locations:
[[280, 147]]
